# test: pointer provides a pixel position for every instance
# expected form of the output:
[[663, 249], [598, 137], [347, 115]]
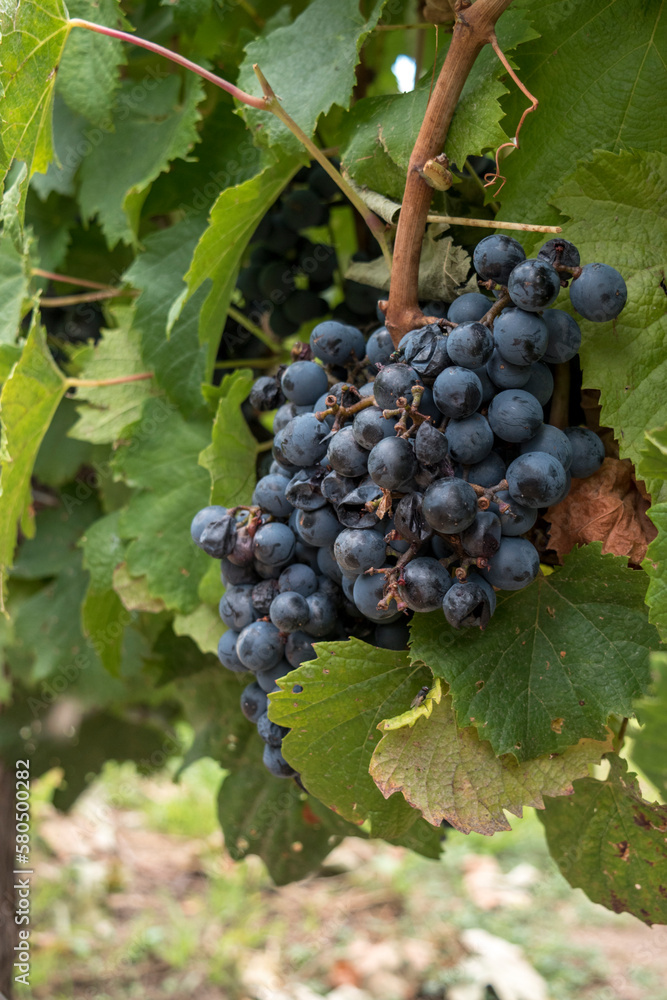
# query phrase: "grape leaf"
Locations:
[[390, 124], [653, 467], [609, 841], [152, 125], [558, 658], [450, 773], [54, 546], [69, 147], [604, 98], [310, 64], [103, 550], [29, 399], [231, 456], [202, 626], [103, 620], [649, 747], [217, 257], [111, 408], [443, 268], [160, 461], [33, 37], [60, 457], [172, 352], [14, 262], [614, 198], [89, 70], [347, 690]]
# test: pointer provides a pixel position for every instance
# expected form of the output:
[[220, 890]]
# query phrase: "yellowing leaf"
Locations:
[[450, 773]]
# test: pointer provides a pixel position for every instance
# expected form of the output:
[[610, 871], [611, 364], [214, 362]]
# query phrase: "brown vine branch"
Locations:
[[513, 143], [473, 30], [74, 300], [67, 279]]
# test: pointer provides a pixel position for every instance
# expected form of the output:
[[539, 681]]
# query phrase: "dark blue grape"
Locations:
[[482, 538], [470, 345], [587, 451], [299, 578], [391, 463], [266, 393], [514, 566], [428, 408], [469, 440], [450, 506], [357, 550], [227, 652], [559, 252], [317, 527], [326, 563], [541, 383], [552, 440], [393, 382], [379, 349], [435, 308], [302, 441], [253, 702], [335, 343], [274, 544], [289, 611], [489, 472], [535, 479], [467, 604], [367, 593], [304, 488], [488, 388], [352, 511], [218, 538], [303, 382], [430, 445], [370, 426], [521, 337], [396, 635], [424, 583], [203, 518], [269, 494], [263, 594], [345, 456], [564, 336], [599, 293], [233, 576], [285, 413], [298, 648], [496, 256], [336, 487], [457, 392], [267, 678], [276, 764], [504, 374], [533, 285], [236, 607], [271, 732], [515, 415], [322, 614], [259, 646], [518, 519], [468, 308], [425, 350]]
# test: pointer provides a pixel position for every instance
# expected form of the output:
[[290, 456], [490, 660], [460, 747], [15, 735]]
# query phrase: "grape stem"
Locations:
[[495, 310], [56, 301], [76, 383], [473, 30], [255, 330], [68, 279], [269, 102], [524, 227], [514, 142]]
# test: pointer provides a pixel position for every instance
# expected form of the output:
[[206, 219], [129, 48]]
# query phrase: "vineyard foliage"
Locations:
[[145, 183]]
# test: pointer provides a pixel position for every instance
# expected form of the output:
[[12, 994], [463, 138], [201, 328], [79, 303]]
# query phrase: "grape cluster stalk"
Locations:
[[409, 480]]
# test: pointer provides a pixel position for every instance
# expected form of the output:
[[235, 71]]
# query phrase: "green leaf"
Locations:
[[149, 129], [60, 457], [217, 258], [649, 747], [653, 469], [14, 262], [609, 841], [103, 550], [310, 64], [173, 351], [28, 402], [347, 690], [450, 773], [33, 37], [69, 148], [596, 82], [443, 268], [232, 453], [89, 71], [160, 461], [134, 592], [111, 408], [103, 620], [202, 625], [558, 658], [54, 546], [613, 199]]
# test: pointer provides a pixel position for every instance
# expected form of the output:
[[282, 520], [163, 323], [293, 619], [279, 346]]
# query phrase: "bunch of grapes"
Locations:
[[405, 480]]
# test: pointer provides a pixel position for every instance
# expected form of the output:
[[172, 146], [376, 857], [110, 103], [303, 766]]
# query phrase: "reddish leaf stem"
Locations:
[[76, 383], [67, 279], [513, 143]]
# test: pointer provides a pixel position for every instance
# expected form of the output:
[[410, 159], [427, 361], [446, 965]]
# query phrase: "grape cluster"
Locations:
[[410, 484]]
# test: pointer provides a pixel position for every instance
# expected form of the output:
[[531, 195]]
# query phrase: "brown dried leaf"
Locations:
[[609, 507]]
